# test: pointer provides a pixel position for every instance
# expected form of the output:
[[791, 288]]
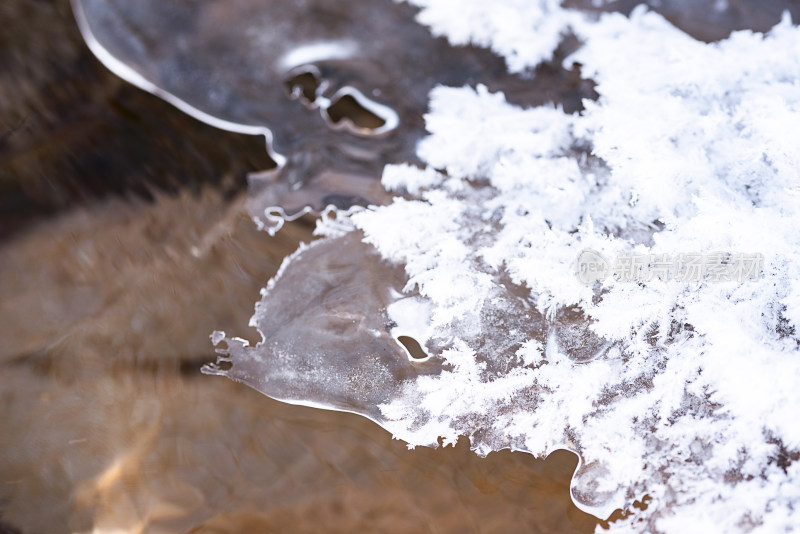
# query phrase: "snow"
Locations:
[[692, 393], [525, 32], [681, 390]]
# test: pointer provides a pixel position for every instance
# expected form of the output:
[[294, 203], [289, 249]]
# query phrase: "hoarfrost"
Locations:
[[682, 391], [525, 32], [690, 392]]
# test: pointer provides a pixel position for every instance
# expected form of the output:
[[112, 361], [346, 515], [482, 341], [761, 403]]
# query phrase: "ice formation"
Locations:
[[681, 390], [338, 88], [692, 399]]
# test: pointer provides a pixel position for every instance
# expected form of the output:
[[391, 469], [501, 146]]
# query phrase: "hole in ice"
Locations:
[[224, 365], [413, 347], [304, 85], [347, 107]]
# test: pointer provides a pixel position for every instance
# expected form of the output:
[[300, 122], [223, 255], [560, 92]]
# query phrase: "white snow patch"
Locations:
[[691, 147]]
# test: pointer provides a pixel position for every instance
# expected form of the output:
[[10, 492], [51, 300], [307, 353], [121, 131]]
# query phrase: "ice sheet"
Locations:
[[338, 88], [682, 390]]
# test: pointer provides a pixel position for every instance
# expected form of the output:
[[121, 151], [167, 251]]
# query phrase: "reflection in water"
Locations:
[[178, 455]]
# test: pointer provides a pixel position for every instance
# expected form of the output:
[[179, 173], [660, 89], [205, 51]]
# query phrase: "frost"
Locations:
[[526, 32], [684, 391]]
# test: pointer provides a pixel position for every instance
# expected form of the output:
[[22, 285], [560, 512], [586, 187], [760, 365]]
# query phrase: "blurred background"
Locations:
[[123, 244]]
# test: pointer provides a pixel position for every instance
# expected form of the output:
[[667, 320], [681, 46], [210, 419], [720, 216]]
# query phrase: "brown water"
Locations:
[[108, 425], [124, 244]]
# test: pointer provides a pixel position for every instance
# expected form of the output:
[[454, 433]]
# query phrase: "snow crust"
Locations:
[[683, 391]]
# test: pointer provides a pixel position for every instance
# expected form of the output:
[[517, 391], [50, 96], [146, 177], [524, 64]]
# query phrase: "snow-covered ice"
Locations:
[[686, 390]]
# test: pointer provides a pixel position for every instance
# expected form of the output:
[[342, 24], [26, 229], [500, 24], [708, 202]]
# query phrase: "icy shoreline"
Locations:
[[684, 390]]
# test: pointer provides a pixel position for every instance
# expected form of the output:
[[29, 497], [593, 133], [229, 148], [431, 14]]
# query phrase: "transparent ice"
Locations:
[[685, 392]]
